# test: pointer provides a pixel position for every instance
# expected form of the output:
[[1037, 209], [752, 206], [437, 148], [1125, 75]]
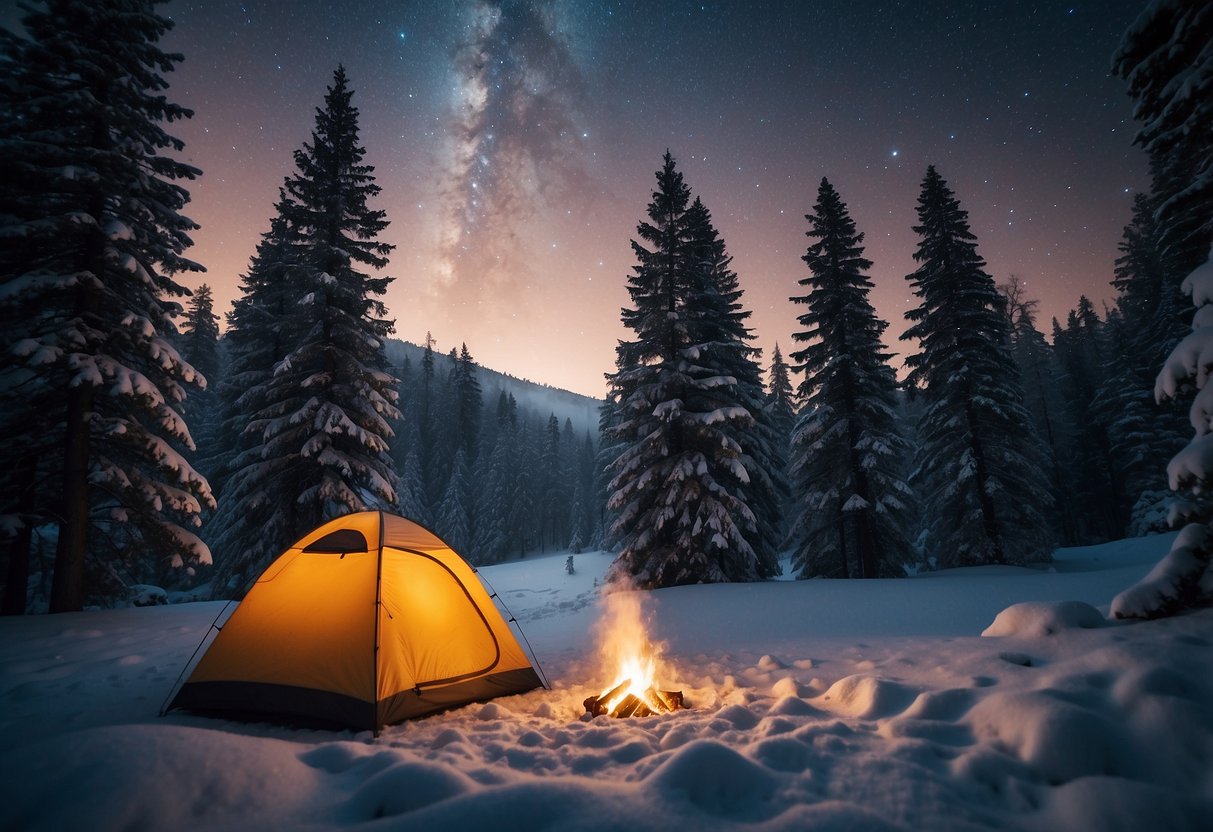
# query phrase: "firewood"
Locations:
[[672, 699], [627, 706]]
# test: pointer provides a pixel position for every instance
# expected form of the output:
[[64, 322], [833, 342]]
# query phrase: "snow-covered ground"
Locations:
[[816, 705]]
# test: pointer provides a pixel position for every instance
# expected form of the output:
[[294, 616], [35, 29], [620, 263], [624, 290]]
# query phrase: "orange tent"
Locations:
[[368, 620]]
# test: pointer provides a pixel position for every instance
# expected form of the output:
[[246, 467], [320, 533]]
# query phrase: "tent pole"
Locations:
[[378, 604]]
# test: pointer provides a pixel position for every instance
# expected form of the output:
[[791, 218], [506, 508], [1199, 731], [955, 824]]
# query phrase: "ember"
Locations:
[[627, 648]]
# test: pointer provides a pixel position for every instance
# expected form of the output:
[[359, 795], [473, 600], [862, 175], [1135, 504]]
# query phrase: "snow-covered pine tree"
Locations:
[[610, 446], [200, 347], [254, 516], [1148, 297], [94, 234], [323, 414], [979, 465], [1150, 322], [200, 334], [490, 543], [522, 522], [855, 508], [1137, 435], [410, 493], [1184, 577], [679, 479], [723, 351], [453, 523], [1167, 60], [583, 515]]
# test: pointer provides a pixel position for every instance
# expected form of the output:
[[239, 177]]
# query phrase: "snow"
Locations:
[[820, 704], [1043, 618]]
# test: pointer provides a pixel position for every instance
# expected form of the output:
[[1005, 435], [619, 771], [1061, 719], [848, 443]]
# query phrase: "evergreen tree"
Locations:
[[848, 454], [680, 480], [323, 415], [552, 487], [200, 347], [723, 351], [1166, 61], [91, 215], [979, 469], [1042, 399], [781, 399], [252, 519], [200, 334], [1093, 482], [1151, 314], [410, 494], [491, 540], [523, 519], [1148, 298], [1136, 436], [468, 404], [453, 524]]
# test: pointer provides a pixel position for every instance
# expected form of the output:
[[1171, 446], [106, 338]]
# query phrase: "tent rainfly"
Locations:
[[368, 620]]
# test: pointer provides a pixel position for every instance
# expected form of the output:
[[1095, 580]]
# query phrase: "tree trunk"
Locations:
[[67, 589], [989, 519]]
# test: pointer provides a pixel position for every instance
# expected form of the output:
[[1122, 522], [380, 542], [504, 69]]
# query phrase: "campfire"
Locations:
[[637, 663]]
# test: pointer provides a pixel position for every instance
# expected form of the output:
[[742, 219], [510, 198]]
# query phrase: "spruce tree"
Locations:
[[91, 215], [680, 479], [468, 404], [1166, 62], [781, 399], [979, 465], [848, 454], [323, 416], [254, 516], [453, 523], [1094, 483], [491, 542], [723, 350], [200, 347], [1038, 370]]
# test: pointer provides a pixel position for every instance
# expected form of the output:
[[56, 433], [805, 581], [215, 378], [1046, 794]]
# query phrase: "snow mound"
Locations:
[[1060, 740], [1036, 619], [402, 788], [867, 697], [715, 778]]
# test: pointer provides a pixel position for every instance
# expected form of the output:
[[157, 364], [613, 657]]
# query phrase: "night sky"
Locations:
[[516, 143]]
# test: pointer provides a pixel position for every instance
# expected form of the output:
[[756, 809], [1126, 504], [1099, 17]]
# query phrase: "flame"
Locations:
[[625, 647]]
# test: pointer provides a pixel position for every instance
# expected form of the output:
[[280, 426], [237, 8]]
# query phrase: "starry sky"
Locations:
[[516, 143]]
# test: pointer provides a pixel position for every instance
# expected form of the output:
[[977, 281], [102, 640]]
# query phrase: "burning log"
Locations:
[[651, 702]]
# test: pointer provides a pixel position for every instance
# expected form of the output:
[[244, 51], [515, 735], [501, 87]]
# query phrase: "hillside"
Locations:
[[538, 398]]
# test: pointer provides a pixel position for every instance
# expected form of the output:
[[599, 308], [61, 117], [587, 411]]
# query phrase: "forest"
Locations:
[[146, 445]]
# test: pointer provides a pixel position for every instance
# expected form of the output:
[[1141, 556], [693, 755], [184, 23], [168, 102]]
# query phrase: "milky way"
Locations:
[[514, 147], [516, 142]]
